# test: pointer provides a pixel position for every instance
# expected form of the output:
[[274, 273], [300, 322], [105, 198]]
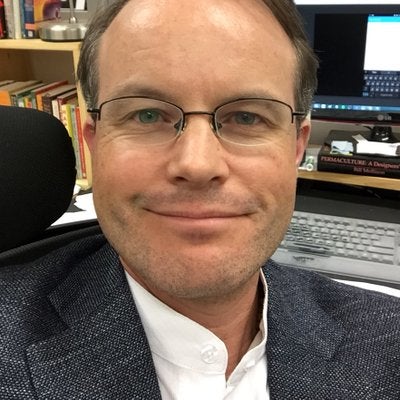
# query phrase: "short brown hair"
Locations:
[[284, 11]]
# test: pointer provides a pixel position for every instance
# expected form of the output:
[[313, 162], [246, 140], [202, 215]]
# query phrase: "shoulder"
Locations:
[[38, 277], [341, 330], [354, 307]]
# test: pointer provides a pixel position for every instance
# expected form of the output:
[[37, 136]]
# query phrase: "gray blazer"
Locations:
[[69, 329]]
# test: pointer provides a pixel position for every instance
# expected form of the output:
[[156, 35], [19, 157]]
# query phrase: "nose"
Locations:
[[197, 158]]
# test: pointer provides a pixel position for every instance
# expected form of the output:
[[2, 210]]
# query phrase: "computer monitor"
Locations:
[[358, 49]]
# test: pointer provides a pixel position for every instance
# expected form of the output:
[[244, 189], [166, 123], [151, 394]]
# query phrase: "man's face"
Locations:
[[196, 217]]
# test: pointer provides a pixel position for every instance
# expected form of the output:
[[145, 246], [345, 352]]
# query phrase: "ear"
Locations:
[[303, 135], [89, 132]]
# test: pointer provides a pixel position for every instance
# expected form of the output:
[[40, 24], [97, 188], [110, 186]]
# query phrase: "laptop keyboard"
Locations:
[[346, 246]]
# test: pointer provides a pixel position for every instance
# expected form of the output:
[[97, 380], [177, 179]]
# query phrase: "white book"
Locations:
[[9, 14], [17, 19]]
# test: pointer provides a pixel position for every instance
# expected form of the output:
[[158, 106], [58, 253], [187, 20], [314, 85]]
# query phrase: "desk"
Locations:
[[361, 180]]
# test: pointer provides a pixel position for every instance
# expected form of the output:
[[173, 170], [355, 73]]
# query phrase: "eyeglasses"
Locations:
[[147, 121]]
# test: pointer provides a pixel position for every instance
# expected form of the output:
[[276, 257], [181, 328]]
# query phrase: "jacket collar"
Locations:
[[103, 352], [303, 338], [296, 311]]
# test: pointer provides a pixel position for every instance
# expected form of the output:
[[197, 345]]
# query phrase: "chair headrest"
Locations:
[[37, 174]]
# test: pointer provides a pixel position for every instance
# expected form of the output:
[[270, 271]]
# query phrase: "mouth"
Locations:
[[197, 223], [197, 214]]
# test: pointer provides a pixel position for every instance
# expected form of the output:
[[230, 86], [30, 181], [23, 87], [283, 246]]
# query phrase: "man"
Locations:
[[197, 124]]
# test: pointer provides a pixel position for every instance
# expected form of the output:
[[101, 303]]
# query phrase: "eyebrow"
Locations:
[[134, 89]]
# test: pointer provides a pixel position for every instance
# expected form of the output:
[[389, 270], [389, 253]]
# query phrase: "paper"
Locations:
[[83, 202], [385, 149], [341, 147]]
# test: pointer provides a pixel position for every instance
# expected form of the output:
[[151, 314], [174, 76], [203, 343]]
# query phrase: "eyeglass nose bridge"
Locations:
[[213, 121]]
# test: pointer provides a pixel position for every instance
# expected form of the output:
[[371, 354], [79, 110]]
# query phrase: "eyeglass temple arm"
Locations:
[[95, 112], [298, 114]]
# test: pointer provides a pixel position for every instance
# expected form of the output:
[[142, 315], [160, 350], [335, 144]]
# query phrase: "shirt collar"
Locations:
[[186, 343]]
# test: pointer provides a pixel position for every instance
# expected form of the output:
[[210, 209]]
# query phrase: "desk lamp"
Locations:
[[63, 31]]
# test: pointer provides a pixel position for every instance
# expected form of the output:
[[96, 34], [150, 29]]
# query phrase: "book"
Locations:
[[13, 24], [81, 142], [7, 90], [36, 94], [37, 11], [19, 18], [17, 97], [6, 82], [13, 18], [67, 97], [3, 27], [52, 94], [353, 163], [67, 117]]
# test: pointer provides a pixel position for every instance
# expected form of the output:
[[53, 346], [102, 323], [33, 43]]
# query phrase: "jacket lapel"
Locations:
[[302, 337], [103, 352]]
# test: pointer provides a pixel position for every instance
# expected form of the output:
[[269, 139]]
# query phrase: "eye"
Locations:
[[246, 118], [148, 116]]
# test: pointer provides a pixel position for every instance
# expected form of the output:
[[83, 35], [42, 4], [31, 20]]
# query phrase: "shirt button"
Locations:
[[249, 365], [209, 354]]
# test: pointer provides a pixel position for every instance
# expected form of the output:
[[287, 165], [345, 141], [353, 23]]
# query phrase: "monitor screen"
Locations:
[[359, 53]]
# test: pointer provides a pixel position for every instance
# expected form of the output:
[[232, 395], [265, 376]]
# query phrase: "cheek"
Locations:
[[117, 167]]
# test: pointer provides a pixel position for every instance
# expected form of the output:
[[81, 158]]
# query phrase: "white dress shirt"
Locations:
[[191, 361]]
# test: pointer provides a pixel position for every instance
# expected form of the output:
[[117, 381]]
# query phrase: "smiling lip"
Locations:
[[198, 214]]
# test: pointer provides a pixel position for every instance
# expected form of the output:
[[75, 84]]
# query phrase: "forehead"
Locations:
[[201, 48]]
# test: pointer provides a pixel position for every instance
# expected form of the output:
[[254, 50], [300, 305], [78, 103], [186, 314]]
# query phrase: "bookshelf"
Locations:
[[24, 59]]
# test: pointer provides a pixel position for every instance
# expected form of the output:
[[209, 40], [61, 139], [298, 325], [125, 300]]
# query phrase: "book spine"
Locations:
[[39, 101], [9, 15], [359, 166], [81, 142], [70, 98], [5, 99], [20, 16], [14, 24], [75, 143], [27, 100], [65, 118], [13, 100], [20, 101], [3, 27], [46, 104], [55, 109], [29, 19]]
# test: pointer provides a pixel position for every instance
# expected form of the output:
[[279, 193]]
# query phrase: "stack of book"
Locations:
[[333, 160], [57, 98]]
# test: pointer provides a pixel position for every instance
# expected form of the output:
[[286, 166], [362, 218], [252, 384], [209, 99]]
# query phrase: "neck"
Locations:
[[234, 319]]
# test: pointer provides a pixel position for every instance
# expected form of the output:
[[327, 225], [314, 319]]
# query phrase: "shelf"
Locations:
[[37, 44], [348, 179]]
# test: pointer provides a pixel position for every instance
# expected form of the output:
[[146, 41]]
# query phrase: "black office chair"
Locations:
[[37, 177]]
